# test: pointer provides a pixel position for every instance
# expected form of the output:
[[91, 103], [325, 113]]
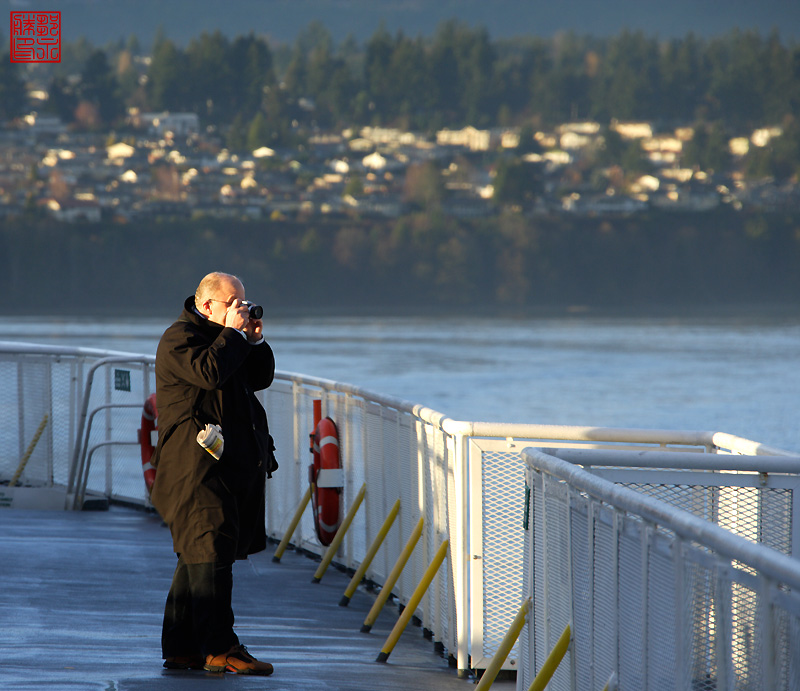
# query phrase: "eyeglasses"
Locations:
[[246, 303]]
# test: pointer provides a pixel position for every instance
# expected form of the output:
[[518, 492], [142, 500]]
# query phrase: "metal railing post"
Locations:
[[462, 556]]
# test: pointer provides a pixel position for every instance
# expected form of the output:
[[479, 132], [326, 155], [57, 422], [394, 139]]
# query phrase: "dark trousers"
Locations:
[[198, 618]]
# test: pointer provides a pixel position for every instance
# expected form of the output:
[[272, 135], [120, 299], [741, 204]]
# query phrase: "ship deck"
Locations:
[[82, 601]]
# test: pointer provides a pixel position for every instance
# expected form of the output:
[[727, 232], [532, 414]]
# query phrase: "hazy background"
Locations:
[[281, 20], [428, 263]]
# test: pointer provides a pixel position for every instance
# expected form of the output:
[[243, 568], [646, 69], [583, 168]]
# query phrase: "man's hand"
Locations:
[[254, 330], [238, 316]]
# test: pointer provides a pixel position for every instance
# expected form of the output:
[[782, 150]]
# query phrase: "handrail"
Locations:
[[423, 412], [771, 562], [80, 494], [26, 348], [83, 464], [707, 439], [710, 440], [665, 459], [141, 359]]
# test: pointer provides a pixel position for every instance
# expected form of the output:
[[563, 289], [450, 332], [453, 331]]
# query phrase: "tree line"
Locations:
[[458, 76], [419, 262]]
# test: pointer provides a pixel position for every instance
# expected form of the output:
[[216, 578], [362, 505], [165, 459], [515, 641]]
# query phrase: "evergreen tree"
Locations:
[[252, 71], [684, 79], [98, 87], [236, 135], [258, 134], [629, 78], [708, 148], [209, 79], [516, 182], [62, 100], [165, 83], [377, 77], [12, 89]]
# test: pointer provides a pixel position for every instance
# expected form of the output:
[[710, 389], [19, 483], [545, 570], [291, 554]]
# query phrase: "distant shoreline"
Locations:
[[727, 311]]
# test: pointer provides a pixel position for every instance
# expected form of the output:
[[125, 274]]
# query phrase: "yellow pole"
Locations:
[[552, 662], [386, 590], [490, 673], [29, 451], [411, 607], [340, 533], [371, 552], [298, 514]]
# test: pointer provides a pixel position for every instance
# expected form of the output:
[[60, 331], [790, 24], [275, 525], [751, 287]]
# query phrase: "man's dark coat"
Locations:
[[206, 373]]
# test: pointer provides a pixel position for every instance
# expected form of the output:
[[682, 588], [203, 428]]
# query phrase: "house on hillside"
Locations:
[[633, 130], [662, 149], [72, 210], [179, 124], [470, 138], [37, 124]]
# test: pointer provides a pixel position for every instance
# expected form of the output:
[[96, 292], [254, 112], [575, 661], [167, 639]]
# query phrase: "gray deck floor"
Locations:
[[81, 602]]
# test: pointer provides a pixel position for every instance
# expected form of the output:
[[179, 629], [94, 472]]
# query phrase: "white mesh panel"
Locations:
[[501, 545]]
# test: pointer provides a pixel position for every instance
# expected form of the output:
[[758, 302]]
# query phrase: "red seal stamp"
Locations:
[[35, 36]]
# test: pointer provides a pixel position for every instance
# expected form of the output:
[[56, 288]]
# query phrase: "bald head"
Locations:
[[215, 293], [216, 283]]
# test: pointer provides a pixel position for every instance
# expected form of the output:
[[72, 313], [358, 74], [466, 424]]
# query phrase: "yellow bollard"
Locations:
[[29, 451], [298, 514], [552, 662], [371, 552], [490, 673], [340, 533], [386, 590], [411, 607]]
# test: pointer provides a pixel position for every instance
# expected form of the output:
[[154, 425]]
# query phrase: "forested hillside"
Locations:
[[459, 76], [248, 92], [417, 263]]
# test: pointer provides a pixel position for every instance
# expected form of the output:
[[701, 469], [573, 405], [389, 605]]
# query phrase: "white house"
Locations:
[[117, 153], [374, 161], [469, 137], [633, 130]]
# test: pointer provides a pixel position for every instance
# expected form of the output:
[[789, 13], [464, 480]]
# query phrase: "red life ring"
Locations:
[[147, 440], [327, 479]]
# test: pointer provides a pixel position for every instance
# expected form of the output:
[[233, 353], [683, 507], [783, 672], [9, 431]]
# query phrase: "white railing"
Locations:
[[48, 402], [466, 480], [656, 596]]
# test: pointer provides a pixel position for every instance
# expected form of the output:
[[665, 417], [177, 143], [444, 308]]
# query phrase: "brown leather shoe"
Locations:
[[239, 661], [184, 662]]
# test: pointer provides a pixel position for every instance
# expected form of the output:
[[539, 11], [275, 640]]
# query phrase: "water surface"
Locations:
[[734, 374]]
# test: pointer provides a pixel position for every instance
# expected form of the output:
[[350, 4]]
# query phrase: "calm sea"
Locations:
[[734, 374]]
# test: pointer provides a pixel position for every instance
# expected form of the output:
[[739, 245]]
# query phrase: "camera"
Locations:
[[256, 311]]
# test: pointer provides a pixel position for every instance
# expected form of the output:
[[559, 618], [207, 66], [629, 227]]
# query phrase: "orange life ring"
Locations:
[[326, 478], [147, 439]]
